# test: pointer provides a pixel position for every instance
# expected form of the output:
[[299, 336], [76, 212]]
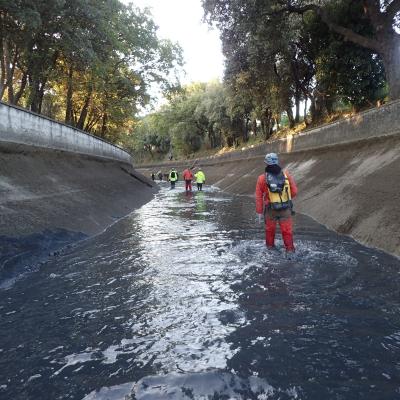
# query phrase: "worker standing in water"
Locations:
[[275, 190], [200, 179], [188, 177], [173, 177]]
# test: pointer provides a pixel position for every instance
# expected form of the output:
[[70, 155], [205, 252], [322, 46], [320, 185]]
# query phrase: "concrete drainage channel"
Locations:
[[181, 300], [351, 187]]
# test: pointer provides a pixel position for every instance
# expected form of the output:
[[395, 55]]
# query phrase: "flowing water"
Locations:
[[181, 300]]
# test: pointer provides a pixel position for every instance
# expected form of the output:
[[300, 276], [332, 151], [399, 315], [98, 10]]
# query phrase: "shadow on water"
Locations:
[[181, 300], [22, 256]]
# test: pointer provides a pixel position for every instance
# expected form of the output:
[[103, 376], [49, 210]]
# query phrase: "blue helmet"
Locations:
[[271, 159]]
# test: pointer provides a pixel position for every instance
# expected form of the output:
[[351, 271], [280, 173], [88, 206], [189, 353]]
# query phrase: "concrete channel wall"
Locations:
[[377, 122], [57, 185], [21, 126]]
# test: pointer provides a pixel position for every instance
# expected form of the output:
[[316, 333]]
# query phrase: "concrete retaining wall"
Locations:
[[18, 125], [374, 123]]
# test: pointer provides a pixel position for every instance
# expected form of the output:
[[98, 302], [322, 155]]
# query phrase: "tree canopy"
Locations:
[[89, 63], [277, 26], [281, 54]]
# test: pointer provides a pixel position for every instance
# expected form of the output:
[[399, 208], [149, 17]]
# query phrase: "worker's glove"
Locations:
[[260, 218]]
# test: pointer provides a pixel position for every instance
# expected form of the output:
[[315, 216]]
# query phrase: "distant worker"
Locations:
[[173, 177], [200, 179], [274, 192], [160, 175], [188, 177], [153, 176]]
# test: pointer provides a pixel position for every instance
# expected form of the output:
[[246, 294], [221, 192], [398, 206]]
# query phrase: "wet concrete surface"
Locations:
[[181, 300]]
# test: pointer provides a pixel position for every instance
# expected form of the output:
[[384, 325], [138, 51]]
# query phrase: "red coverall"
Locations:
[[283, 217], [188, 177]]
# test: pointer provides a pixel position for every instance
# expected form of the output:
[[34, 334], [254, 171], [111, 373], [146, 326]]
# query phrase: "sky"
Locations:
[[181, 21]]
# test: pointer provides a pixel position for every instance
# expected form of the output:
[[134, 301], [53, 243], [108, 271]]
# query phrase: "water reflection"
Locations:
[[181, 300]]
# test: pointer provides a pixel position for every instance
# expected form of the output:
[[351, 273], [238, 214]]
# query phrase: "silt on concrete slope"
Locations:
[[47, 189]]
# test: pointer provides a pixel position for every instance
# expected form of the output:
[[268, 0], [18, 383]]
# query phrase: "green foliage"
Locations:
[[196, 117], [87, 62], [281, 53], [344, 72]]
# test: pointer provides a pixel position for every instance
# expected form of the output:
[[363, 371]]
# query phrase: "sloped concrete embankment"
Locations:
[[58, 185], [348, 182]]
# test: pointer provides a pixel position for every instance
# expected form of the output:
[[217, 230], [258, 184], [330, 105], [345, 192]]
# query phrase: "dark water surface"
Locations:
[[181, 300]]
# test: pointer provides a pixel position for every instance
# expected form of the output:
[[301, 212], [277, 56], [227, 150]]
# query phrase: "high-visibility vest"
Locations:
[[200, 177]]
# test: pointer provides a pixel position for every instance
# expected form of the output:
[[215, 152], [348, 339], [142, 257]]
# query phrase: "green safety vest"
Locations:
[[200, 177]]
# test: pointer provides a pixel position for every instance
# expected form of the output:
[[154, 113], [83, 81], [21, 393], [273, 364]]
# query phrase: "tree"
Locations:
[[87, 62], [196, 116], [281, 52], [383, 39]]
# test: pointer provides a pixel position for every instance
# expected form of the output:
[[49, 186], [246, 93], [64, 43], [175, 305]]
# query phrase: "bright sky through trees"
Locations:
[[181, 21]]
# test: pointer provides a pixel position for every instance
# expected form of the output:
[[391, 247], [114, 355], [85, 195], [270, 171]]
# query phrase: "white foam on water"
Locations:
[[118, 392], [204, 385], [74, 359], [33, 377]]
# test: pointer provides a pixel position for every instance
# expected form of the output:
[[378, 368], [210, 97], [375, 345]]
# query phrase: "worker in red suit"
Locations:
[[275, 190], [188, 177]]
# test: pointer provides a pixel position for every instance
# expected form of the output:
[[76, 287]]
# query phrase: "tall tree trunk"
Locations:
[[289, 113], [318, 107], [266, 123], [91, 121], [9, 70], [2, 64], [263, 127], [10, 78], [41, 95], [2, 72], [84, 111], [313, 109], [254, 126], [34, 94], [391, 60], [305, 111], [297, 103], [104, 121], [211, 136], [246, 130], [68, 109], [21, 89], [38, 77]]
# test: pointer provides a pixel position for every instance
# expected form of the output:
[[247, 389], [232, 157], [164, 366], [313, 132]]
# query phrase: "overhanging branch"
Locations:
[[392, 9], [347, 33]]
